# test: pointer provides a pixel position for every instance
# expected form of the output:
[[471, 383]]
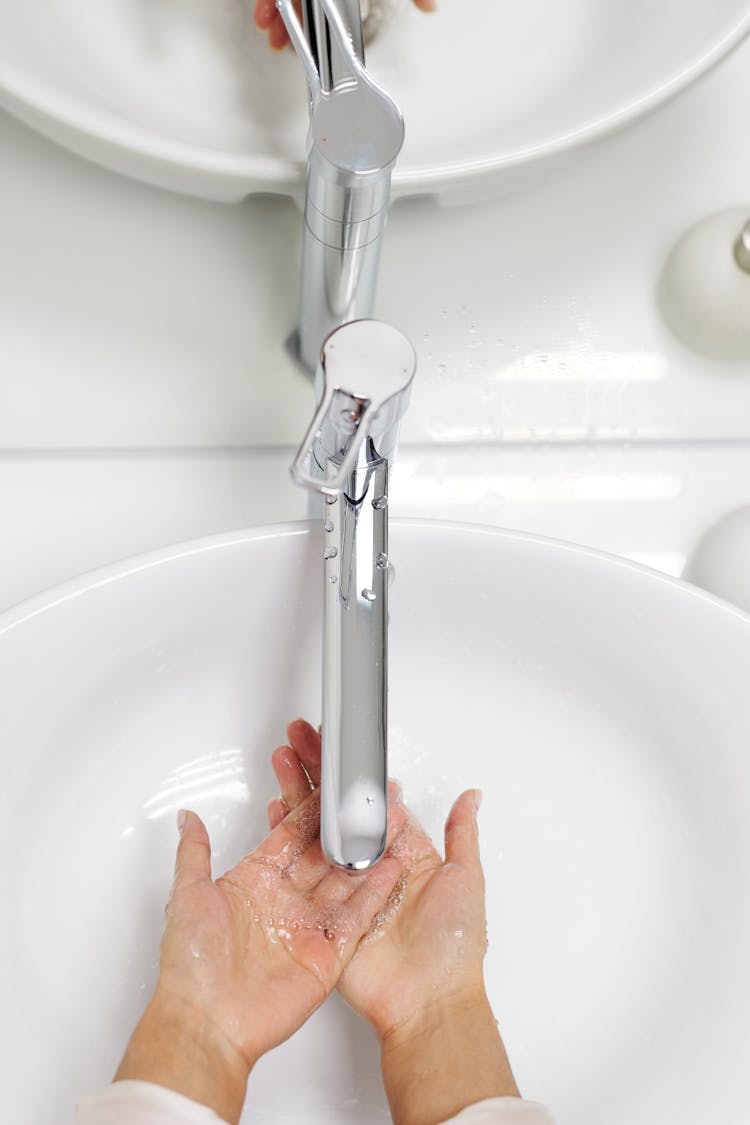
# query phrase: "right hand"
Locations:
[[427, 948], [417, 974]]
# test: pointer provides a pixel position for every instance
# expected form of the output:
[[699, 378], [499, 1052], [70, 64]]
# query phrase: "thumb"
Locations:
[[461, 832], [193, 851]]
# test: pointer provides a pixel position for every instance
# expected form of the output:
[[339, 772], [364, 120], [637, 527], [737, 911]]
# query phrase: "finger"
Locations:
[[293, 781], [278, 36], [426, 5], [291, 850], [193, 861], [277, 810], [370, 897], [461, 831], [305, 741], [265, 10], [398, 814], [289, 843]]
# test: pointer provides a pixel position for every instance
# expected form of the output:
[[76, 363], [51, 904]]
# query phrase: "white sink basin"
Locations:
[[188, 96], [602, 708]]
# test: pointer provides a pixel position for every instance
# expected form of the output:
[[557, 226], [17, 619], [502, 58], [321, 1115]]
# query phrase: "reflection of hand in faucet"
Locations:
[[247, 959], [268, 19], [417, 977]]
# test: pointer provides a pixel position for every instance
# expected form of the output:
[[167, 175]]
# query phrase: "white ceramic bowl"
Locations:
[[603, 709], [188, 96]]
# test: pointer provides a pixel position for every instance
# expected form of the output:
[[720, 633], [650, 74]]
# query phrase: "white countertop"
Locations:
[[145, 395]]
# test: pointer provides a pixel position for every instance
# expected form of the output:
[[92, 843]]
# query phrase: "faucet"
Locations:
[[363, 374], [362, 386], [356, 132]]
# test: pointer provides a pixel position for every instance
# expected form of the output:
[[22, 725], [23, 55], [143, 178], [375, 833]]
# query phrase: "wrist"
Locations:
[[404, 1028], [176, 1046], [446, 1056]]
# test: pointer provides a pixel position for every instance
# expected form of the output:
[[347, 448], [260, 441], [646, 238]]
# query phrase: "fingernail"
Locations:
[[399, 791], [181, 820], [478, 795]]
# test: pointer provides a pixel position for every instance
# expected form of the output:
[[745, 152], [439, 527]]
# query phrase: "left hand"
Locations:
[[245, 960]]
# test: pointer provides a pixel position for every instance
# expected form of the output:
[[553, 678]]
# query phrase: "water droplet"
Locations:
[[381, 561], [333, 579], [328, 525], [329, 935], [330, 552], [331, 499], [369, 595], [370, 800], [380, 502]]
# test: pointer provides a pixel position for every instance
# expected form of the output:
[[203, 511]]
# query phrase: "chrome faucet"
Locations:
[[362, 385], [356, 132]]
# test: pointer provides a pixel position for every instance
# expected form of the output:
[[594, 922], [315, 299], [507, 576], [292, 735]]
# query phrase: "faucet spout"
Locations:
[[362, 384], [356, 133]]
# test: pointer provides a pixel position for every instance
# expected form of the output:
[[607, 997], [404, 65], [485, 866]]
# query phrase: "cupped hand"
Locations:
[[267, 19], [245, 960], [261, 948], [427, 946]]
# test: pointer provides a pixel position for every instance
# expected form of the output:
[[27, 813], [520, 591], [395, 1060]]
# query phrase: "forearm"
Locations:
[[175, 1046], [443, 1061]]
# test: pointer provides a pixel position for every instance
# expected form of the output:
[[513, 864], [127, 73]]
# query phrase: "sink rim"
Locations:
[[75, 587], [104, 134]]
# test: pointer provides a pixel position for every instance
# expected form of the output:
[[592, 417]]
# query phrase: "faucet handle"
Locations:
[[307, 43], [363, 383]]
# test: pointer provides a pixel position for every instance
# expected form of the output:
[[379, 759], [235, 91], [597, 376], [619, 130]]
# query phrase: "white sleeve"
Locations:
[[502, 1111], [142, 1103]]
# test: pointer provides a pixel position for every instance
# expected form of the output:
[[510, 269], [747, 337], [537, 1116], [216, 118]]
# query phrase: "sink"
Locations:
[[602, 707], [189, 97]]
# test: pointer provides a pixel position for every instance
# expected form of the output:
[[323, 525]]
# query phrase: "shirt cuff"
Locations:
[[142, 1103], [502, 1111]]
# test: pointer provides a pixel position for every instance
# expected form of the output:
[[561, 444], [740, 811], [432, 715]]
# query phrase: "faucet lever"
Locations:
[[334, 401], [363, 384], [350, 66], [287, 11]]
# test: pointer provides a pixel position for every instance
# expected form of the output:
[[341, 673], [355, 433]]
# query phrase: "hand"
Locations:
[[268, 19], [417, 977], [247, 959]]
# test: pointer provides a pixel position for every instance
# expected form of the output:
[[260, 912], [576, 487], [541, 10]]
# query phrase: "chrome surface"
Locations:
[[331, 62], [362, 387], [742, 248], [356, 133]]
